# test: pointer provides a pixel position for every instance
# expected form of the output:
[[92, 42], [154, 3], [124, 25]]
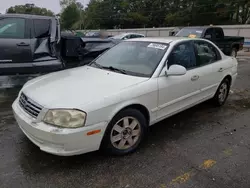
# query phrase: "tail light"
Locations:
[[241, 46]]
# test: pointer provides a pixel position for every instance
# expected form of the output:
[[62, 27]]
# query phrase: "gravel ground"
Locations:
[[204, 147]]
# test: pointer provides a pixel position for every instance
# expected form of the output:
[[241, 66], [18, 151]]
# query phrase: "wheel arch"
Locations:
[[141, 108], [229, 77]]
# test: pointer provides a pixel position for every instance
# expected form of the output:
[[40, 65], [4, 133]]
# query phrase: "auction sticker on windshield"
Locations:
[[192, 36], [157, 46]]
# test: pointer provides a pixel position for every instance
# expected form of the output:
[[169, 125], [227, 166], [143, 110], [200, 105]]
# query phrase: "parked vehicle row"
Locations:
[[31, 44], [110, 103]]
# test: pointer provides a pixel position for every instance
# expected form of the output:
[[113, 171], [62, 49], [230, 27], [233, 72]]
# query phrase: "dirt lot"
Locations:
[[204, 147]]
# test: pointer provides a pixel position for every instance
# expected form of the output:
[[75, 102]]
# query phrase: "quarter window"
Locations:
[[218, 33], [206, 53], [12, 28], [183, 54]]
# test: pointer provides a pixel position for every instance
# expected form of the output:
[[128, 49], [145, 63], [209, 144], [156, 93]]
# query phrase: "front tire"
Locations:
[[125, 132], [222, 93]]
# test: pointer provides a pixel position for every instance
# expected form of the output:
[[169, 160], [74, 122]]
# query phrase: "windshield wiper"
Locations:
[[115, 69], [97, 65]]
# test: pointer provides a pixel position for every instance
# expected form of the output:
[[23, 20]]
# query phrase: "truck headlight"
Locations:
[[67, 118]]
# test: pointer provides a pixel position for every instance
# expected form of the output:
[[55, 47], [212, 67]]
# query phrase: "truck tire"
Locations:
[[234, 52]]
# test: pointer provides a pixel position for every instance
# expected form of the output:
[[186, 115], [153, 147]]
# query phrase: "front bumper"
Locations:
[[58, 141]]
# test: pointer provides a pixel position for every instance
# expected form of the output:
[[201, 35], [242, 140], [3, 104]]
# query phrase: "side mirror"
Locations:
[[176, 70]]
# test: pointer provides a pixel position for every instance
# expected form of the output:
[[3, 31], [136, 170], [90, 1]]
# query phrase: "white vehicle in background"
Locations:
[[111, 102], [125, 36]]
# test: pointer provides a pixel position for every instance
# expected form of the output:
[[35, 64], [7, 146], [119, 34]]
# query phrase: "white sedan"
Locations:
[[111, 102]]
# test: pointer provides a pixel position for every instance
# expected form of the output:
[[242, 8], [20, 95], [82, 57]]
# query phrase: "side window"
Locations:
[[218, 33], [209, 33], [206, 53], [133, 36], [127, 37], [183, 54], [12, 28], [41, 28]]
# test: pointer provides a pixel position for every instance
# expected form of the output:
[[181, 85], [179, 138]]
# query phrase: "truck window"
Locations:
[[12, 28], [218, 33], [209, 33], [41, 28]]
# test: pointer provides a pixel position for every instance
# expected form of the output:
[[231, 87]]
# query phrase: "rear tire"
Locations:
[[234, 52], [125, 132], [222, 92]]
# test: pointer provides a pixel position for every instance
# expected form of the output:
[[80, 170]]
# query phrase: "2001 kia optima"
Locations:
[[111, 102]]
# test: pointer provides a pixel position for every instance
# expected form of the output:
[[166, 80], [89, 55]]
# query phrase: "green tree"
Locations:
[[105, 14], [29, 9], [72, 14]]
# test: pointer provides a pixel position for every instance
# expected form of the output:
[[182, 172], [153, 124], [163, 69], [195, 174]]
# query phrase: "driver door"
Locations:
[[177, 93], [14, 40]]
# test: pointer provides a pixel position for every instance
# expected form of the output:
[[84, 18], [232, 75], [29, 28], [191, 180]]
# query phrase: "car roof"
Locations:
[[27, 16], [124, 34], [200, 27], [132, 33], [159, 39]]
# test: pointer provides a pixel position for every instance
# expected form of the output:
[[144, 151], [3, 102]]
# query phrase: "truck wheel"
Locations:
[[234, 52]]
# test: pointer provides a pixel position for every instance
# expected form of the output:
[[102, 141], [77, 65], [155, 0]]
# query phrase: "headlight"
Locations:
[[65, 118]]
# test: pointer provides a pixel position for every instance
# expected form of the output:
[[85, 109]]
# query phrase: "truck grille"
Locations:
[[29, 106]]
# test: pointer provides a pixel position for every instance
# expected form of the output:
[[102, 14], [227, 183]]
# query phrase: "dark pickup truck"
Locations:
[[230, 45], [32, 44]]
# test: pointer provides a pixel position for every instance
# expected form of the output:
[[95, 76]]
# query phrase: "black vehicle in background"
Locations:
[[230, 45], [32, 44]]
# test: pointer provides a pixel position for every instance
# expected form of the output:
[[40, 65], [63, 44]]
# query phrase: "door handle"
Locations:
[[22, 44], [220, 70], [194, 78]]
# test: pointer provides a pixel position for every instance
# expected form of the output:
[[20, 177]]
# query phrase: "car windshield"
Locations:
[[132, 58], [190, 32]]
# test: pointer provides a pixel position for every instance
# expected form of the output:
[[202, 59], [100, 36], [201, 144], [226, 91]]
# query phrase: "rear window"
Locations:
[[190, 32], [41, 28]]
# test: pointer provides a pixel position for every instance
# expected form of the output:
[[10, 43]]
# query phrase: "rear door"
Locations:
[[14, 40], [210, 66]]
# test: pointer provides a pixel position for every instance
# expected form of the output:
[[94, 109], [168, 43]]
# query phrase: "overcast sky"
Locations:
[[49, 4]]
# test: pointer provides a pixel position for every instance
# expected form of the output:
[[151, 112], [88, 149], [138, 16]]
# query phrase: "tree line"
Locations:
[[109, 14]]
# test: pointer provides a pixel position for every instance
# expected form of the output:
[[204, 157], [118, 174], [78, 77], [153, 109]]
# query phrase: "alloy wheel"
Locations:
[[125, 133]]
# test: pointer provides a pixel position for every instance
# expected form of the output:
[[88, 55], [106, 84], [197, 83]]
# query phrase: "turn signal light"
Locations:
[[94, 132]]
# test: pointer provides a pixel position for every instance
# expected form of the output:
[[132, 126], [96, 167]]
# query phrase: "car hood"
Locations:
[[77, 87]]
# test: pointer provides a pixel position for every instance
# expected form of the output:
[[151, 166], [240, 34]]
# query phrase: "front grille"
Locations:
[[29, 106]]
